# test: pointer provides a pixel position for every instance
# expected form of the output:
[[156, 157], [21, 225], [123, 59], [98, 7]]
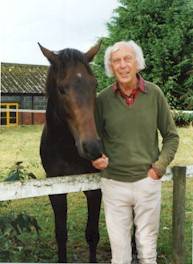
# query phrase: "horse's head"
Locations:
[[72, 87]]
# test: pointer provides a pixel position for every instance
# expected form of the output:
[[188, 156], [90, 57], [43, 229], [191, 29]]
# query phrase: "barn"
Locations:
[[22, 94]]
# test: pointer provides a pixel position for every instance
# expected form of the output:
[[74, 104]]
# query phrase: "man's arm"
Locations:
[[169, 135], [102, 162]]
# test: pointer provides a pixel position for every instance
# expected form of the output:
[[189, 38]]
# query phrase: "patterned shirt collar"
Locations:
[[130, 99]]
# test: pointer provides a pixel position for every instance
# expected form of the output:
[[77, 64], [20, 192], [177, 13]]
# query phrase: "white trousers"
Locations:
[[120, 200]]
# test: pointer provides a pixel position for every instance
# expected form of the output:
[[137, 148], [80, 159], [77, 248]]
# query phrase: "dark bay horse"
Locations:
[[69, 138]]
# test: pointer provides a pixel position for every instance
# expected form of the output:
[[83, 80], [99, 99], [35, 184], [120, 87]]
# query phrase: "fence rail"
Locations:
[[56, 185], [22, 110], [43, 111], [11, 190]]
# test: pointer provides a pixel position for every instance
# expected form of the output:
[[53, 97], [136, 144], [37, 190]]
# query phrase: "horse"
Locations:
[[69, 139]]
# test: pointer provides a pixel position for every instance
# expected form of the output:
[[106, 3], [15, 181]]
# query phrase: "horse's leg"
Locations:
[[92, 228], [59, 205]]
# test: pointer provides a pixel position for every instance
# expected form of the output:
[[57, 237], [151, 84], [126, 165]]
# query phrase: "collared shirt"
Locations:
[[130, 99]]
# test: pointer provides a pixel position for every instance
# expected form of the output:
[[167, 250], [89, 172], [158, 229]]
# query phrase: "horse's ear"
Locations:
[[50, 55], [93, 51]]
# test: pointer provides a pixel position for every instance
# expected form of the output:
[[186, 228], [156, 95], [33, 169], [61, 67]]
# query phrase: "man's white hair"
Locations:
[[131, 44]]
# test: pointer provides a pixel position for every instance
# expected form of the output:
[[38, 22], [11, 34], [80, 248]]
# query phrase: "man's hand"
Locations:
[[152, 174], [101, 163]]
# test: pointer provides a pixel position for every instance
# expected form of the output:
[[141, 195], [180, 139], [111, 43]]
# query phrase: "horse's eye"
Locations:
[[62, 89]]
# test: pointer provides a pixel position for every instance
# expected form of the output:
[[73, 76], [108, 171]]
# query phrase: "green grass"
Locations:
[[165, 236], [184, 154], [22, 144], [43, 248]]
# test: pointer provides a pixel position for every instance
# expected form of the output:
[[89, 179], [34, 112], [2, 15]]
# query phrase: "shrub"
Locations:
[[12, 226], [182, 119]]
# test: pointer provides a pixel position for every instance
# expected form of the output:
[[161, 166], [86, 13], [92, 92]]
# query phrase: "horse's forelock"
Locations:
[[72, 56]]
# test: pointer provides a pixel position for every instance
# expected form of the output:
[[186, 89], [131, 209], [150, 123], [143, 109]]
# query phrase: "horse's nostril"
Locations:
[[85, 147], [92, 149]]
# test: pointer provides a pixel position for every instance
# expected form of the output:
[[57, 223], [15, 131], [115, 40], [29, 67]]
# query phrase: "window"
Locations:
[[8, 117]]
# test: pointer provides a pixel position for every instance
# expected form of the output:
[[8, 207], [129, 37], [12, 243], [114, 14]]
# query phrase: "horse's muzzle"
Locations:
[[90, 149]]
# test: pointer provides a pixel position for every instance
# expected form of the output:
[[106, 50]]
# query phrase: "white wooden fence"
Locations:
[[65, 184], [22, 110], [56, 185], [43, 111]]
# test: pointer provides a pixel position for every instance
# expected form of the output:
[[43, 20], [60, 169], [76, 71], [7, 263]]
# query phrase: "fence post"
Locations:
[[179, 190]]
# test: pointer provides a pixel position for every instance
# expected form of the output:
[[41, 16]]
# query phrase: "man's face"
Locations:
[[124, 65]]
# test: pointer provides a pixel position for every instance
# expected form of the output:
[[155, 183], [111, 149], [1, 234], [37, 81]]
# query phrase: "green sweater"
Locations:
[[130, 133]]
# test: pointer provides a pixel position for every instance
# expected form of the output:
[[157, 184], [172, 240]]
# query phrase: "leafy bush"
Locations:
[[182, 119], [11, 227], [19, 173]]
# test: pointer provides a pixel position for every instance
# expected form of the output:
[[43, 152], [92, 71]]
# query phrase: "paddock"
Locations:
[[40, 188]]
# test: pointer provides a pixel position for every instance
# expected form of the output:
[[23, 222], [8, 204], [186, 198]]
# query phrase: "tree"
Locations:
[[164, 30]]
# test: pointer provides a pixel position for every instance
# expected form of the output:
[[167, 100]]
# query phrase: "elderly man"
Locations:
[[129, 114]]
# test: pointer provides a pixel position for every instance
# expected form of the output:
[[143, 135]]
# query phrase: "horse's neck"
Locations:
[[57, 127]]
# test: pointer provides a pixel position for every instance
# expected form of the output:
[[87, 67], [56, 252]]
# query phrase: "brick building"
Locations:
[[22, 87]]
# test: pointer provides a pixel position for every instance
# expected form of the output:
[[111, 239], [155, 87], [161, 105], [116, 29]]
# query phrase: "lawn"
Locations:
[[22, 144]]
